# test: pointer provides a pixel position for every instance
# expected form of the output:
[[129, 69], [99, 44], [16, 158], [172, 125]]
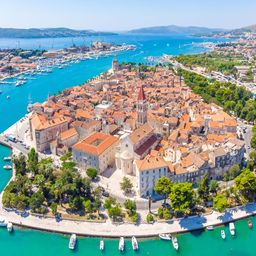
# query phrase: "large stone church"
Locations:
[[139, 143]]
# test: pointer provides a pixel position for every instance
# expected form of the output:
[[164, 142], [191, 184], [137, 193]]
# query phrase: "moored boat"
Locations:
[[72, 242], [232, 228], [210, 228], [3, 222], [175, 243], [135, 245], [121, 244], [7, 158], [249, 223], [7, 167], [165, 237], [223, 234], [9, 227], [101, 245]]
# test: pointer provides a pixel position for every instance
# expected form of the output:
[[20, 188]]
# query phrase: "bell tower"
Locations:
[[141, 107]]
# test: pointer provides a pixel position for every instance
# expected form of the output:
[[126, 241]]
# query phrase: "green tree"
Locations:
[[167, 214], [54, 207], [126, 185], [220, 203], [245, 183], [203, 188], [32, 162], [182, 198], [130, 206], [36, 201], [150, 218], [115, 211], [234, 171], [213, 187], [163, 186], [160, 212], [92, 173], [20, 164]]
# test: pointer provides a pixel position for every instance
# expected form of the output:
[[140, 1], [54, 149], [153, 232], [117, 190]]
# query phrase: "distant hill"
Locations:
[[242, 30], [47, 33], [176, 30]]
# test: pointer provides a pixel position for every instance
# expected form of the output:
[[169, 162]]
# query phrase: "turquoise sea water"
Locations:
[[27, 242], [208, 243]]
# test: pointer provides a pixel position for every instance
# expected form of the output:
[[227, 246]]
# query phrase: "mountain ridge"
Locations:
[[176, 30], [48, 32]]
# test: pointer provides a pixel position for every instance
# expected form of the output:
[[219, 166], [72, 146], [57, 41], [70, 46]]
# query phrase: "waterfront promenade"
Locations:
[[108, 229]]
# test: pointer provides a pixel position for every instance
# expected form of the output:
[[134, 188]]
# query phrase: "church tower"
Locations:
[[141, 107]]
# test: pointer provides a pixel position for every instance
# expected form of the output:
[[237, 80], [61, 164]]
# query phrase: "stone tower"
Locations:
[[141, 107]]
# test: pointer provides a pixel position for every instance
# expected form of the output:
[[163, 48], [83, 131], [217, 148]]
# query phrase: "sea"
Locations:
[[30, 242]]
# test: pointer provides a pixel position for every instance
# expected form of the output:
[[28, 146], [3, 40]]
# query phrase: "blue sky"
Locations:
[[116, 15]]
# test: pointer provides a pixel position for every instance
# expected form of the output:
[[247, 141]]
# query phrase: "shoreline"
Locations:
[[53, 63], [110, 230]]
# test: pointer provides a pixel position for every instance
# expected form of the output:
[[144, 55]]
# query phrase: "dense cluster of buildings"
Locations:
[[148, 124], [243, 49], [17, 61]]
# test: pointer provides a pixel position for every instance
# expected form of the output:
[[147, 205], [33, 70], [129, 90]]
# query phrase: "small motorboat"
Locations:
[[8, 97], [101, 245], [72, 242], [210, 228], [135, 245], [3, 222], [175, 243], [232, 228], [249, 223], [121, 244], [7, 167], [7, 158], [9, 227], [165, 237], [223, 234]]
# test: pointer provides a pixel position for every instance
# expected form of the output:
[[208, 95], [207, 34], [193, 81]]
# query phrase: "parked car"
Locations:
[[105, 194]]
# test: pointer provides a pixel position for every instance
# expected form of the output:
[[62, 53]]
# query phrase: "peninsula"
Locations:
[[103, 157]]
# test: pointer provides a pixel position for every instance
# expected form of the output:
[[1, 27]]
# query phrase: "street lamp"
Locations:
[[149, 203]]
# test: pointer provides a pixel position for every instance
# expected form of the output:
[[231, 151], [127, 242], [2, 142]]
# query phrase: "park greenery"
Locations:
[[185, 200], [235, 100], [39, 187], [212, 61]]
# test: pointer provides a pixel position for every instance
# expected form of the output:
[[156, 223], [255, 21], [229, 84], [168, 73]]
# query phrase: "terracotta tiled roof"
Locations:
[[140, 133], [151, 162], [96, 143], [68, 134]]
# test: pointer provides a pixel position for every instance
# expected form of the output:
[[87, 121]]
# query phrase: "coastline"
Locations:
[[110, 230]]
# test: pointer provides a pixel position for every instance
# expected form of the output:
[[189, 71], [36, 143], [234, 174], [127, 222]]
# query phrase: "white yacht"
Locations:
[[223, 234], [165, 237], [9, 227], [101, 245], [3, 222], [175, 243], [7, 158], [135, 245], [232, 228], [121, 244], [72, 242], [7, 167], [210, 228]]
